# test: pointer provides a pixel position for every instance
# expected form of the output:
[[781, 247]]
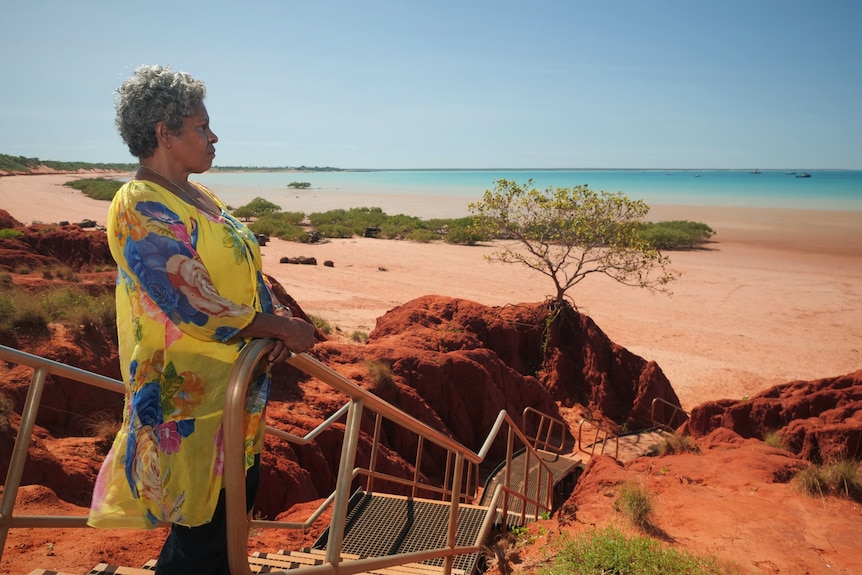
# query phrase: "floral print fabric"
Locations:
[[187, 283]]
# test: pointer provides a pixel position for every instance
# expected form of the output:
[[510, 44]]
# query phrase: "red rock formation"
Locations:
[[575, 364], [7, 221], [820, 420], [47, 246]]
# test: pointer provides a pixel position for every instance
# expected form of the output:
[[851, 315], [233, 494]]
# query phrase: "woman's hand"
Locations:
[[296, 336], [292, 335]]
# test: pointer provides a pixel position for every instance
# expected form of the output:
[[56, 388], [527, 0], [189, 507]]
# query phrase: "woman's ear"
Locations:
[[163, 135]]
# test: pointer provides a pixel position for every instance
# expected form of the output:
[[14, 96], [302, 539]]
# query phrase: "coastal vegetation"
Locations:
[[97, 188], [268, 219], [21, 164]]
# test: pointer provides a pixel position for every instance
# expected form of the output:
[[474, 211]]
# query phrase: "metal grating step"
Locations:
[[379, 525]]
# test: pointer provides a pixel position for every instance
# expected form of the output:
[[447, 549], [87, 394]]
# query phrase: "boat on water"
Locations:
[[803, 175]]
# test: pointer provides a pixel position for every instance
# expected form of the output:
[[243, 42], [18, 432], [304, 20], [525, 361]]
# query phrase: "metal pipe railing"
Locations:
[[676, 410], [41, 369], [598, 430], [456, 484], [555, 427]]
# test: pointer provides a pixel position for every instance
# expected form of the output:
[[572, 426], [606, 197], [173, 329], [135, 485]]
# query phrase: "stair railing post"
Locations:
[[451, 537], [343, 483], [19, 451], [234, 454]]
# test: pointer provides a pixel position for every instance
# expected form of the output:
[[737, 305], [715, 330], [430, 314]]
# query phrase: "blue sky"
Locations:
[[453, 84]]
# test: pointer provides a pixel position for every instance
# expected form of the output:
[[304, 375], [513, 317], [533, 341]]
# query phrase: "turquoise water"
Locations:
[[824, 190]]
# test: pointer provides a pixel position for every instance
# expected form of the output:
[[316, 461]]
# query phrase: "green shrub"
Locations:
[[421, 236], [10, 234], [96, 188], [610, 551], [257, 208], [462, 231], [675, 234], [335, 231], [283, 225]]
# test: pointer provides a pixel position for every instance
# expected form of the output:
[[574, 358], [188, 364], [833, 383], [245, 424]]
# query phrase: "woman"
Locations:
[[190, 294]]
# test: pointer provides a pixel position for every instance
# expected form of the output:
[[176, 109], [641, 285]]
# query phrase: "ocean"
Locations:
[[839, 190]]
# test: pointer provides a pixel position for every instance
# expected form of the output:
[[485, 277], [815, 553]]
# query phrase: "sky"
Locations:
[[445, 84]]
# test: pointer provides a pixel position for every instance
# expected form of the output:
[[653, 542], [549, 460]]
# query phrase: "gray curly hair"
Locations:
[[154, 94]]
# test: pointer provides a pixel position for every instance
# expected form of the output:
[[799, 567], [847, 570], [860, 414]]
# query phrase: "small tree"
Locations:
[[256, 208], [299, 185], [570, 233]]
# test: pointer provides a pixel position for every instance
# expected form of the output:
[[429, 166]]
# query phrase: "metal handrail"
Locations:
[[359, 399], [676, 409], [540, 440], [598, 429], [254, 352], [41, 369]]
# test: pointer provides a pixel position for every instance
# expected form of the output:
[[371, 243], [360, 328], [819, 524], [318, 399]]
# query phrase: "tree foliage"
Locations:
[[676, 234], [568, 234], [299, 185], [256, 208]]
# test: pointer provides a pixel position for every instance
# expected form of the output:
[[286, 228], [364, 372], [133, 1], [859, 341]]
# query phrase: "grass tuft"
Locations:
[[635, 503], [677, 443], [381, 374], [840, 478]]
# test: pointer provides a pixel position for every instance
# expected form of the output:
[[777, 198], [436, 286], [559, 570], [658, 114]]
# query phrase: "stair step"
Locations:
[[293, 559]]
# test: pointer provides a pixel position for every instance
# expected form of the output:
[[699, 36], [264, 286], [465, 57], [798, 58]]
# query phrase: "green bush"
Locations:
[[10, 234], [284, 225], [96, 188], [462, 231], [257, 208], [421, 236], [676, 234], [610, 551], [399, 226], [335, 231]]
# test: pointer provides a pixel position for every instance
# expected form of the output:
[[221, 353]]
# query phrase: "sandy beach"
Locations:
[[777, 296]]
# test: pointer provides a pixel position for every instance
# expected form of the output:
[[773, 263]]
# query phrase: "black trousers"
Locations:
[[202, 550]]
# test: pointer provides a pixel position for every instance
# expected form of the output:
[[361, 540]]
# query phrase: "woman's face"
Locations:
[[193, 146]]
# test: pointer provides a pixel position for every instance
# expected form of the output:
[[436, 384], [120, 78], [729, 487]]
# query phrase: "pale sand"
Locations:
[[776, 297]]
